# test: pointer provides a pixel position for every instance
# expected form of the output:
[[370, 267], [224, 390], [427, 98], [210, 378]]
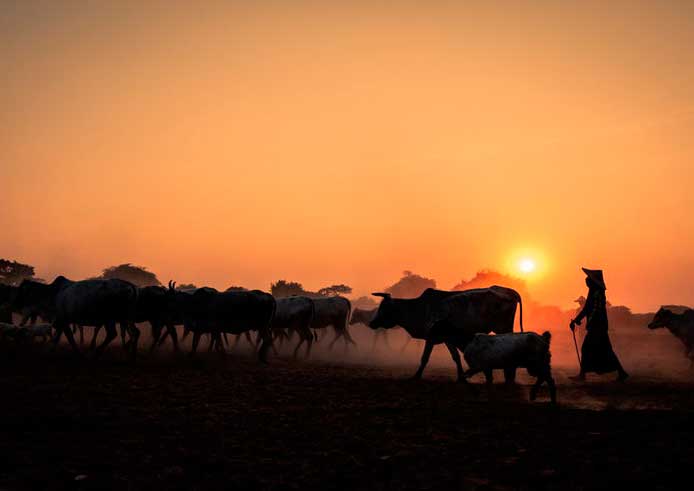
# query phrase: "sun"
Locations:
[[527, 265]]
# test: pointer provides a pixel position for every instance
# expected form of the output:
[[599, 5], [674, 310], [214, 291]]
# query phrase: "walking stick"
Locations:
[[578, 355]]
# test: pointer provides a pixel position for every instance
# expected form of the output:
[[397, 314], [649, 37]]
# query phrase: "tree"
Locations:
[[137, 275], [487, 278], [13, 273], [236, 289], [366, 303], [410, 285], [334, 290], [285, 288]]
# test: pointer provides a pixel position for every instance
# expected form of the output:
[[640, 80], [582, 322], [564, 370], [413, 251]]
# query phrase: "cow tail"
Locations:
[[520, 303]]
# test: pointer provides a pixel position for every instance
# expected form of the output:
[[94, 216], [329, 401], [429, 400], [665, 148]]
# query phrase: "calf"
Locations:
[[680, 325], [510, 351]]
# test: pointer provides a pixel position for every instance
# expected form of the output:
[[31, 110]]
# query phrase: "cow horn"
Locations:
[[384, 295]]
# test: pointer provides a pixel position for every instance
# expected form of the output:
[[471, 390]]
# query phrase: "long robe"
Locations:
[[597, 354]]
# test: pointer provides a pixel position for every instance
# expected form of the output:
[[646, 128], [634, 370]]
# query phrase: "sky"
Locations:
[[237, 143]]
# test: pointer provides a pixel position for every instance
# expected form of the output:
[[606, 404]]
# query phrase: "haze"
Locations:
[[324, 142]]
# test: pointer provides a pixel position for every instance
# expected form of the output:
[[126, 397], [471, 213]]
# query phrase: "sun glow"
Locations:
[[527, 265]]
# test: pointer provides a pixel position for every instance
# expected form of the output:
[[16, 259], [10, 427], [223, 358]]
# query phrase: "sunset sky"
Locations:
[[344, 142]]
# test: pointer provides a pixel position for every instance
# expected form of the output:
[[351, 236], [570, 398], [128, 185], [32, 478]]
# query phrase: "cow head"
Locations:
[[34, 298], [663, 318], [386, 315]]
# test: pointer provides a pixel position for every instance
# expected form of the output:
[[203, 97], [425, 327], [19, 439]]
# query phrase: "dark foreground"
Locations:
[[170, 423]]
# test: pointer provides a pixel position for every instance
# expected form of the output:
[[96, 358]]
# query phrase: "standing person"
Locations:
[[597, 354]]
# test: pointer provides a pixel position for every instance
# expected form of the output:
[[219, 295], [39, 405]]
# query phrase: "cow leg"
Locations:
[[166, 334], [226, 339], [211, 345], [298, 345], [80, 328], [134, 337], [247, 334], [186, 333], [92, 345], [348, 336], [338, 334], [237, 340], [219, 344], [58, 334], [428, 347], [122, 335], [171, 331], [266, 335], [489, 375], [458, 363], [196, 341], [510, 375], [309, 343], [545, 375], [156, 335], [70, 337], [111, 334]]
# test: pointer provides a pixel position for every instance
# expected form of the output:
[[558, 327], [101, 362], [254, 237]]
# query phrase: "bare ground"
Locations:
[[171, 422]]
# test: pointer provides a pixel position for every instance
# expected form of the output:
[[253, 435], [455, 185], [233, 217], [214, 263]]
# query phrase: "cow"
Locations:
[[452, 318], [333, 311], [34, 299], [25, 333], [97, 302], [87, 303], [528, 350], [680, 325], [234, 312], [7, 295], [295, 314], [364, 316], [153, 304], [182, 309]]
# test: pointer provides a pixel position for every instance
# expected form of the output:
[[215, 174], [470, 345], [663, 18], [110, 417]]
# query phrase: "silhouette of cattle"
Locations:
[[362, 316], [34, 299], [528, 350], [680, 325], [233, 312], [452, 318], [7, 296], [333, 311], [295, 315], [84, 303]]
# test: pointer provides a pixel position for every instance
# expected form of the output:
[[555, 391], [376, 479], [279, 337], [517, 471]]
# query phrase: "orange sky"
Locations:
[[242, 142]]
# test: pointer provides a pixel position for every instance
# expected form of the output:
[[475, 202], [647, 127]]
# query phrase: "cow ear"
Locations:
[[384, 295]]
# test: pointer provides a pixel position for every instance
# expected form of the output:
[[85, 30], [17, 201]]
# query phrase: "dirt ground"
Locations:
[[168, 422]]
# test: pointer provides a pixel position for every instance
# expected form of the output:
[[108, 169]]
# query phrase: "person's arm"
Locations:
[[587, 308]]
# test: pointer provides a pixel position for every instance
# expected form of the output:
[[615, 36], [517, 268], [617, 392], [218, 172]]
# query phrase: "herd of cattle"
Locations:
[[462, 320]]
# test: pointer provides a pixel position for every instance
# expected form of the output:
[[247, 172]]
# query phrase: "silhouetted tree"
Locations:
[[137, 275], [334, 290], [285, 288], [410, 285], [13, 273], [366, 303], [487, 278], [236, 289]]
